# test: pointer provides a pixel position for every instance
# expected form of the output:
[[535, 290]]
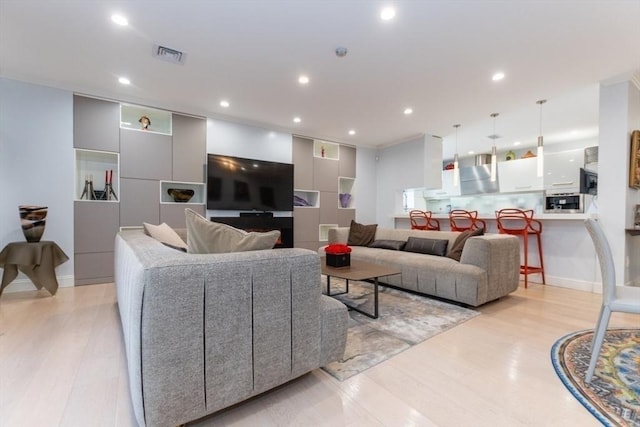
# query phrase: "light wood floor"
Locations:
[[62, 364]]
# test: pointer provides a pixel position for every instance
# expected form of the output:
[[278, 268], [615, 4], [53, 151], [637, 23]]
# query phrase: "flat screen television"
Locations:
[[239, 184]]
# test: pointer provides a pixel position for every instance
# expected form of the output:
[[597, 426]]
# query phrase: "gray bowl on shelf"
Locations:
[[181, 195]]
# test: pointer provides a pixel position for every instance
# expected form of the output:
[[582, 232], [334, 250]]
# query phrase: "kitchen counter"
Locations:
[[544, 216]]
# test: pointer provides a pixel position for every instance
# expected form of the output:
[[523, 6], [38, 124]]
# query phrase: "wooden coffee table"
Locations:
[[358, 270]]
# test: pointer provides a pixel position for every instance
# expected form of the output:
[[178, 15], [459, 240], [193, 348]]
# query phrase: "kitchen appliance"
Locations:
[[564, 203], [588, 182], [477, 180]]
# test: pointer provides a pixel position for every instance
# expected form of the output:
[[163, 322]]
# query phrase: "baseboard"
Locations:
[[578, 285], [24, 284]]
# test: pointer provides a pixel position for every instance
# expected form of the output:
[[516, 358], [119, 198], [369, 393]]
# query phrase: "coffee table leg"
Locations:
[[375, 298]]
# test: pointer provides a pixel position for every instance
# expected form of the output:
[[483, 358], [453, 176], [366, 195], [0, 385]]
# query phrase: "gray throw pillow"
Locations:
[[426, 246], [207, 237], [394, 245], [360, 234], [458, 245]]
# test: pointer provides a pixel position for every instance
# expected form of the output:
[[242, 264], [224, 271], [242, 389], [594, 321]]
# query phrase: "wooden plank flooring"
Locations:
[[62, 364]]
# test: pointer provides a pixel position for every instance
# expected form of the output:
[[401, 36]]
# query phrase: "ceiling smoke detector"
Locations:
[[168, 54]]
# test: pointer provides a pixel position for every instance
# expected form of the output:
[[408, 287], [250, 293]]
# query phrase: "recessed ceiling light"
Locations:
[[352, 132], [471, 152], [516, 143], [408, 111], [120, 20], [498, 76], [224, 103], [303, 80], [124, 81], [297, 120], [387, 13]]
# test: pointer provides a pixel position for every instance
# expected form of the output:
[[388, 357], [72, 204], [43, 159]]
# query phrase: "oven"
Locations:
[[564, 203]]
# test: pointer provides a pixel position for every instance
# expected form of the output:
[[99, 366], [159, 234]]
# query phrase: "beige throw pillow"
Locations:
[[164, 234], [207, 237]]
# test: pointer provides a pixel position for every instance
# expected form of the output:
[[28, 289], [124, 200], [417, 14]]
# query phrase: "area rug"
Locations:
[[404, 320], [613, 396]]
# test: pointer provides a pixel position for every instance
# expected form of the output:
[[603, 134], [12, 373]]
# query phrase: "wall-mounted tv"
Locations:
[[239, 184]]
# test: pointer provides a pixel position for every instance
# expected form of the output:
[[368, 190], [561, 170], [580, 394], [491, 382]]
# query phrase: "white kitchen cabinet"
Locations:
[[562, 171], [447, 190], [519, 175]]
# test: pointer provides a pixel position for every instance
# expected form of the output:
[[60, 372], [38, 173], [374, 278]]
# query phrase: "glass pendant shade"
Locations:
[[494, 161], [456, 165]]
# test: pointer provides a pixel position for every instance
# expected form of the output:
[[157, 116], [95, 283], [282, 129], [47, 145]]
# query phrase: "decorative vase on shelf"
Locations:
[[32, 220], [345, 198]]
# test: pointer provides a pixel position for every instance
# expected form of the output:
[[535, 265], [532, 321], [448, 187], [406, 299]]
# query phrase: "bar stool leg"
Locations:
[[544, 282], [525, 268]]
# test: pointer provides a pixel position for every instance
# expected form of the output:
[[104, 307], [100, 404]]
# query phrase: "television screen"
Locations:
[[235, 183]]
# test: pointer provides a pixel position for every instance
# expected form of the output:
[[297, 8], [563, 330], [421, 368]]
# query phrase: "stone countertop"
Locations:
[[542, 217]]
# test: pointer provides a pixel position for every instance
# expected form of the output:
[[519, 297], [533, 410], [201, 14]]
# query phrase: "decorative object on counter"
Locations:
[[511, 155], [345, 198], [540, 164], [528, 155], [108, 185], [449, 166], [338, 255], [494, 159], [181, 195], [299, 201], [88, 191], [634, 166], [145, 122], [33, 221]]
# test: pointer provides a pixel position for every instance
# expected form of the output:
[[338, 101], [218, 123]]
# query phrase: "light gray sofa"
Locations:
[[489, 267], [203, 332]]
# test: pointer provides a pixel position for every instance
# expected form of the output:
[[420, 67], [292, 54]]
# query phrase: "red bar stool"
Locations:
[[520, 222], [461, 220], [421, 220]]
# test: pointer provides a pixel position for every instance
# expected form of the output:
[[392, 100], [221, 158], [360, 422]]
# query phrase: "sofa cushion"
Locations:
[[165, 234], [360, 234], [395, 245], [207, 237], [458, 245], [426, 246]]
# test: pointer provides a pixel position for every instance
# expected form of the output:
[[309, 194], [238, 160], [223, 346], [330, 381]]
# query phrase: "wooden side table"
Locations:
[[37, 260]]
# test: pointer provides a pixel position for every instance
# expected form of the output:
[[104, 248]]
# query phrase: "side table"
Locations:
[[37, 260]]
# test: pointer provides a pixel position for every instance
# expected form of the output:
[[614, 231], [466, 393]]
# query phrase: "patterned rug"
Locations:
[[404, 321], [613, 396]]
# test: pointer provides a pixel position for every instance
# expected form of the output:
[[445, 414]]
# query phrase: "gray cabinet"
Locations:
[[347, 161], [140, 202], [325, 174], [95, 226], [96, 124], [145, 155], [303, 163], [189, 154], [173, 213]]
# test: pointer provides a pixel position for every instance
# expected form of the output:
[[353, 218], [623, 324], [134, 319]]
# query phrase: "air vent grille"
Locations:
[[168, 54]]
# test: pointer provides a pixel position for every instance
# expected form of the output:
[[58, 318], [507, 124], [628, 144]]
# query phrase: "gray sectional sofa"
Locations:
[[203, 332], [489, 267]]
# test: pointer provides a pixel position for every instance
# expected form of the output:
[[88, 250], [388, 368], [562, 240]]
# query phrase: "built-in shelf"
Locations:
[[198, 189], [326, 150], [92, 171], [306, 199], [323, 231], [131, 118], [345, 193]]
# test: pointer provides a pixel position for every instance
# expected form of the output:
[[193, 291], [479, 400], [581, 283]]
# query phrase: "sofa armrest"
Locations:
[[335, 321], [499, 256], [338, 235]]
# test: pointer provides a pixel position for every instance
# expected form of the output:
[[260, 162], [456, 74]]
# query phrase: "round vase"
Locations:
[[32, 220]]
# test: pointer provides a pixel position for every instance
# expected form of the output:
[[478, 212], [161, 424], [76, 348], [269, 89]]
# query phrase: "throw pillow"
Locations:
[[207, 237], [458, 245], [360, 234], [394, 245], [426, 246], [165, 234]]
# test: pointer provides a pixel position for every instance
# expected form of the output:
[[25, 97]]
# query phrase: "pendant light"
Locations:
[[494, 157], [456, 166], [540, 154]]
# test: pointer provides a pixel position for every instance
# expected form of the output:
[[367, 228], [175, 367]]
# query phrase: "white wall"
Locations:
[[36, 166], [238, 140], [365, 185]]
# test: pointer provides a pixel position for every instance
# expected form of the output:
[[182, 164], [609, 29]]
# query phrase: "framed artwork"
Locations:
[[634, 166]]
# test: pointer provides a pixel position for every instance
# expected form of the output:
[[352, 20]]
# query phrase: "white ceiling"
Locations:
[[436, 57]]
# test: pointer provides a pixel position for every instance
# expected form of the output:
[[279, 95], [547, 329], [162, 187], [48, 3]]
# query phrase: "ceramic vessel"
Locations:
[[32, 220], [181, 195], [345, 198]]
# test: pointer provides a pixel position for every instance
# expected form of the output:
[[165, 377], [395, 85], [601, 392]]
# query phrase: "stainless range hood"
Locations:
[[477, 180]]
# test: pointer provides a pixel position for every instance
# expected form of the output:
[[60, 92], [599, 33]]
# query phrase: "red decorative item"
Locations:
[[338, 255]]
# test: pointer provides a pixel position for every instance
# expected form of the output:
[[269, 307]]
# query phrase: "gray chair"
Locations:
[[624, 299]]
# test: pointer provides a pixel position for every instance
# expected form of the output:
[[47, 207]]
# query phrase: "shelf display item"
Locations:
[[345, 198], [145, 122], [108, 185], [33, 221], [181, 195], [511, 155]]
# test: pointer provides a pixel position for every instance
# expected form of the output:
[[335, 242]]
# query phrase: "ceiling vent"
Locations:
[[168, 54]]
